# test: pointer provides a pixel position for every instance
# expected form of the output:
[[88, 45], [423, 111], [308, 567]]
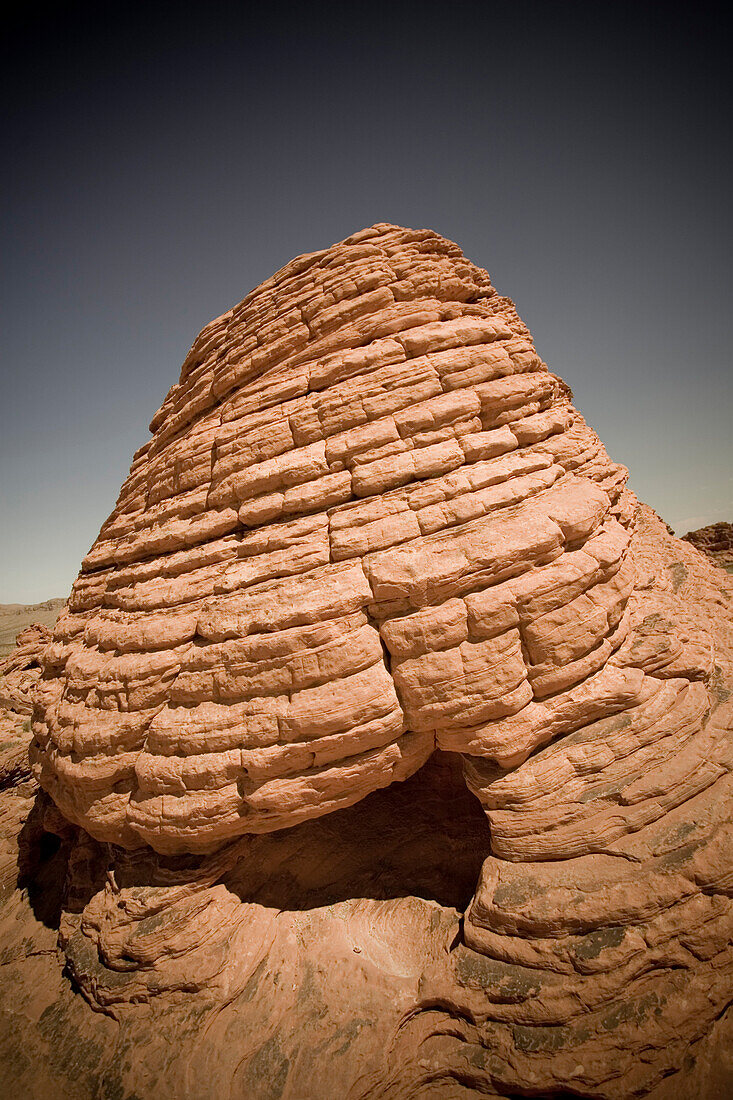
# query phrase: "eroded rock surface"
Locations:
[[21, 669], [716, 541], [371, 550], [368, 524]]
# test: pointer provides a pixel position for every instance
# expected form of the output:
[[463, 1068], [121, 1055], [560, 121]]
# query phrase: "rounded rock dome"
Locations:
[[368, 523]]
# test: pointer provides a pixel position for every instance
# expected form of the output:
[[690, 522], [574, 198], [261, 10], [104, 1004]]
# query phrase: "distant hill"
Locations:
[[14, 617]]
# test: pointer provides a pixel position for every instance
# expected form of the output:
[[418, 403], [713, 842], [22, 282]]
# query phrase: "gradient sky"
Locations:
[[158, 165]]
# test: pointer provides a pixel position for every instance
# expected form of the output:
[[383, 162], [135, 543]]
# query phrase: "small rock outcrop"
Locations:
[[21, 669], [716, 541], [371, 552]]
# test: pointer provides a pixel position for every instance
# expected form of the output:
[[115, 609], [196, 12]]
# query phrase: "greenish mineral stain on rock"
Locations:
[[679, 574], [267, 1071], [590, 946]]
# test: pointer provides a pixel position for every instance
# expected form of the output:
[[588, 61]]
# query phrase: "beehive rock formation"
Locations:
[[368, 523], [369, 531]]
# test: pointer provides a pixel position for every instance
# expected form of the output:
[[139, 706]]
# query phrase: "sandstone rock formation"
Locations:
[[368, 523], [370, 538], [21, 669], [15, 617], [716, 541]]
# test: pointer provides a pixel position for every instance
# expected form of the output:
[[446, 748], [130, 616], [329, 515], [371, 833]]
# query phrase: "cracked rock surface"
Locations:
[[385, 740]]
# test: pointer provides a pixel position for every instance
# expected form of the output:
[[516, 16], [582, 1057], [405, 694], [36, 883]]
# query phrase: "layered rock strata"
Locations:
[[21, 669], [370, 525]]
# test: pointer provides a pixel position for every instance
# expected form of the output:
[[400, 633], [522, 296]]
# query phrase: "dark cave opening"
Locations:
[[42, 866], [426, 837]]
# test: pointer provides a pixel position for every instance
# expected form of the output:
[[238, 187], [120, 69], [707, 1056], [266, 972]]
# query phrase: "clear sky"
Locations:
[[159, 164]]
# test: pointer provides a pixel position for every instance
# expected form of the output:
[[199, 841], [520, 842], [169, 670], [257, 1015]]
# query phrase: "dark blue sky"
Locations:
[[159, 164]]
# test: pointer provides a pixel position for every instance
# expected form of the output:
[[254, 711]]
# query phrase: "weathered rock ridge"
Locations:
[[371, 551], [715, 540]]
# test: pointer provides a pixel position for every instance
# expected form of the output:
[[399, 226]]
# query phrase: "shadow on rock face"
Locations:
[[42, 866], [426, 837], [137, 924], [59, 866]]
